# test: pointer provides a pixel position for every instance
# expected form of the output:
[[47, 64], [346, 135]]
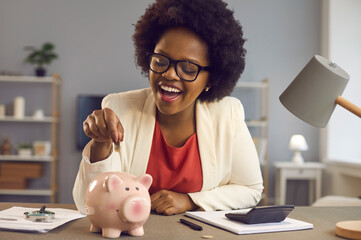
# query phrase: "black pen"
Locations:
[[191, 225]]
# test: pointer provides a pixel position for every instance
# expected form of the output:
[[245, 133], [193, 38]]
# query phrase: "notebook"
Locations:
[[218, 219]]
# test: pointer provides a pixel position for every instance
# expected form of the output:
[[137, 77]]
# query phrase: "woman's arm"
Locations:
[[104, 127], [87, 171]]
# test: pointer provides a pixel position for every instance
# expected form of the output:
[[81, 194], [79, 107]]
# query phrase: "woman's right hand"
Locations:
[[104, 127]]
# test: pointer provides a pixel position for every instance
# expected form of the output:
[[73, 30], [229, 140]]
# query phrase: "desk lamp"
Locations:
[[316, 90], [312, 96]]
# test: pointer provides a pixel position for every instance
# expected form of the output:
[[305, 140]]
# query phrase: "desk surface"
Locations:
[[159, 227]]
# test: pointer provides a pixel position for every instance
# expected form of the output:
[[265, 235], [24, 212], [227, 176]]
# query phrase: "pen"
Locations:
[[191, 225]]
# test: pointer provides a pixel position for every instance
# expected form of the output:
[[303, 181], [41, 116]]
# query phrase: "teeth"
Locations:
[[170, 89]]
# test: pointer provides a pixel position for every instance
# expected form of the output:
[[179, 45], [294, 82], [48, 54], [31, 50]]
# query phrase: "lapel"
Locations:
[[206, 140], [144, 139]]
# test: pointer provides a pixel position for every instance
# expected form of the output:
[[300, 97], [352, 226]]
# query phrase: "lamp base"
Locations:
[[349, 229], [297, 158]]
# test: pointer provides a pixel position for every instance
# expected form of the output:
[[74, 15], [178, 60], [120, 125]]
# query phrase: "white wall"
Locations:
[[341, 148], [344, 128], [93, 40]]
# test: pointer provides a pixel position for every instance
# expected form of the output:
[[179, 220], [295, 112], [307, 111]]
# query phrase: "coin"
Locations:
[[117, 147], [207, 236]]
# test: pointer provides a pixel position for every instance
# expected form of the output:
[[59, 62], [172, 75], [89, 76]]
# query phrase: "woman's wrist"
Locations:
[[100, 150], [192, 205]]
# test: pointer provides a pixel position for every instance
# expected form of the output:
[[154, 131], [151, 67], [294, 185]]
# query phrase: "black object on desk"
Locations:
[[264, 214], [191, 225], [40, 216]]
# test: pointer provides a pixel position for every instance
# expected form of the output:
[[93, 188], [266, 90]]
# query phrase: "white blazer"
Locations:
[[231, 171]]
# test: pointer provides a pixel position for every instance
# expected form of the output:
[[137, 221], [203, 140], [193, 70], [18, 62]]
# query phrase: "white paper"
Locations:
[[14, 219], [218, 219]]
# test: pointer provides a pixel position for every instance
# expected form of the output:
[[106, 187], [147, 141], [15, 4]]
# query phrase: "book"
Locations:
[[218, 219]]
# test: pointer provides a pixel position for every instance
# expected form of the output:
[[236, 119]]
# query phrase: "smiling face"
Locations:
[[173, 95]]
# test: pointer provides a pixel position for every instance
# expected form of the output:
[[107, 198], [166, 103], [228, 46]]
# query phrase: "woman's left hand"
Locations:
[[168, 203]]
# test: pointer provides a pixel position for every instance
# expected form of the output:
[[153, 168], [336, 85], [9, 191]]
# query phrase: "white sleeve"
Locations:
[[245, 185], [87, 171]]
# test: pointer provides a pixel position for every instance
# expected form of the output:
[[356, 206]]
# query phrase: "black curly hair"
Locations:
[[213, 22]]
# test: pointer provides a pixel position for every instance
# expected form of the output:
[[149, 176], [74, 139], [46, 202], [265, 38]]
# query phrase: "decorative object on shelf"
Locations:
[[2, 110], [19, 107], [41, 148], [25, 149], [6, 147], [38, 114], [41, 57], [314, 93], [298, 144]]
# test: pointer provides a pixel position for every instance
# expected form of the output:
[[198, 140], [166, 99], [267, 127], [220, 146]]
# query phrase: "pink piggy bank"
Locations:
[[116, 202]]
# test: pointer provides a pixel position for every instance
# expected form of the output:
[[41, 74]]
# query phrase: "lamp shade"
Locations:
[[312, 94], [298, 143]]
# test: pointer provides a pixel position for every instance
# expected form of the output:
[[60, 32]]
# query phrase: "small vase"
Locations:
[[25, 152], [40, 72]]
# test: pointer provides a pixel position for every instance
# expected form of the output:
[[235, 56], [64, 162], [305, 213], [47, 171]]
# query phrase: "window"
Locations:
[[341, 140]]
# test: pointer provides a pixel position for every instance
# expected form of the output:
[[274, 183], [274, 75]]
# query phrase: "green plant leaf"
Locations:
[[42, 56]]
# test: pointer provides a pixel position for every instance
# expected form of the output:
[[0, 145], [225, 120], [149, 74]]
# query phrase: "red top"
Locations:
[[175, 169]]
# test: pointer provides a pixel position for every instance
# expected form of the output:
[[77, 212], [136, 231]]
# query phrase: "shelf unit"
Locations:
[[28, 119], [53, 121], [261, 123]]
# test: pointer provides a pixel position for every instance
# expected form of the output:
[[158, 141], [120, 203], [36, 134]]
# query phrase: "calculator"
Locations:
[[262, 214]]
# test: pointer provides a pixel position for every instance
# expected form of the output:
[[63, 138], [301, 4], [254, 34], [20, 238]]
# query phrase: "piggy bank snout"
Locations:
[[136, 209]]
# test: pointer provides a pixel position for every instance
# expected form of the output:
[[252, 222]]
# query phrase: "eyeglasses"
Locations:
[[185, 70]]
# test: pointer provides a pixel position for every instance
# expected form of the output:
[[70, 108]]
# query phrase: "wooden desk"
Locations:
[[159, 227]]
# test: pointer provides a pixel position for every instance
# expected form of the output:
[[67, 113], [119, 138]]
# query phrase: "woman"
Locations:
[[183, 130]]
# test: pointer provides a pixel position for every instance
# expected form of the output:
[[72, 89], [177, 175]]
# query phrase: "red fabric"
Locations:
[[175, 169]]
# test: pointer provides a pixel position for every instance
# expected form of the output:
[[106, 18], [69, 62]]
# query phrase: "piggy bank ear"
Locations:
[[146, 180], [112, 182]]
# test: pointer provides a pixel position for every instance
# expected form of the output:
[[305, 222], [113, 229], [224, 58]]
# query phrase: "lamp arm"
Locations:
[[349, 106]]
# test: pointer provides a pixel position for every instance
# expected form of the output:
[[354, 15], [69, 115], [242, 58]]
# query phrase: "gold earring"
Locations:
[[207, 89]]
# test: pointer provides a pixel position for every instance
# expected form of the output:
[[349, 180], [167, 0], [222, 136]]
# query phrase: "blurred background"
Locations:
[[96, 56]]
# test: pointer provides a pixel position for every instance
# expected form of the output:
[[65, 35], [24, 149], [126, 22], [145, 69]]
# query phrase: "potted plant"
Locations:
[[41, 57], [25, 149]]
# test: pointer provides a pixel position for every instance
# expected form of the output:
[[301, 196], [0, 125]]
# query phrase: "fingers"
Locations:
[[91, 129], [167, 202], [159, 202], [156, 199], [114, 127], [166, 209], [87, 130], [163, 206], [103, 125]]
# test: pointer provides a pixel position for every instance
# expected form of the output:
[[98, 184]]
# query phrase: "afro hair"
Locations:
[[213, 22]]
